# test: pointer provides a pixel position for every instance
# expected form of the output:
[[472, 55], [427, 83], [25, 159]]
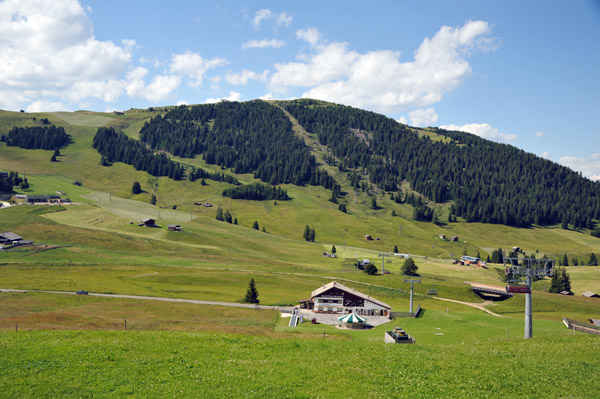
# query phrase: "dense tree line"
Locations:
[[253, 137], [115, 146], [257, 192], [13, 179], [37, 137], [488, 182]]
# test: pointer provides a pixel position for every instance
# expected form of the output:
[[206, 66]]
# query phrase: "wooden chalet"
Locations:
[[454, 238], [337, 298], [148, 222], [11, 239], [442, 236], [174, 227]]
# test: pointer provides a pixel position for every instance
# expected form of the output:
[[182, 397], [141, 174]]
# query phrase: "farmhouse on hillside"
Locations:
[[148, 222], [12, 239], [337, 298], [174, 227]]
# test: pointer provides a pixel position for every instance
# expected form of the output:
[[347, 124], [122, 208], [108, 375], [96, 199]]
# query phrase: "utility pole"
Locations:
[[399, 230], [412, 282]]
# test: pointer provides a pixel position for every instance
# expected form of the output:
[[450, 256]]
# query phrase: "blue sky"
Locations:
[[519, 72]]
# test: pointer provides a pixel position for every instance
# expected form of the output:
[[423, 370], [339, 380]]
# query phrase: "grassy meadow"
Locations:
[[74, 345]]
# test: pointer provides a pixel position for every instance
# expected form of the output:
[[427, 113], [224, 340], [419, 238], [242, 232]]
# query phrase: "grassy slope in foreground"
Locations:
[[155, 364]]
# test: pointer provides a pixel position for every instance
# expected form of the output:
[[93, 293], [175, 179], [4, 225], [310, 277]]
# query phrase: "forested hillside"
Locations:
[[488, 182], [251, 137], [37, 137]]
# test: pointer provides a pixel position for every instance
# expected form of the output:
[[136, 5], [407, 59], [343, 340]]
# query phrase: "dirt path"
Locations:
[[154, 298]]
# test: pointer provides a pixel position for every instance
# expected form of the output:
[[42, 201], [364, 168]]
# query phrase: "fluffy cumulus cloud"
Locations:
[[423, 117], [48, 50], [310, 35], [264, 43], [194, 66], [589, 167], [281, 19], [242, 78], [539, 135], [233, 96], [379, 80], [483, 130]]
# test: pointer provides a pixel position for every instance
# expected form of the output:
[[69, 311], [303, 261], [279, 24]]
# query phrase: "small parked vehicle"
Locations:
[[82, 292]]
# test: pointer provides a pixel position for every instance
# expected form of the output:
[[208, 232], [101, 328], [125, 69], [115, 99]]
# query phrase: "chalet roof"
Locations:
[[335, 284], [590, 294], [595, 322], [147, 220], [566, 293], [10, 236], [173, 225]]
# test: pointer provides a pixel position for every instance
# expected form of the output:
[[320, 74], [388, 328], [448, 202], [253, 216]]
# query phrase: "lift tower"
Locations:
[[520, 272]]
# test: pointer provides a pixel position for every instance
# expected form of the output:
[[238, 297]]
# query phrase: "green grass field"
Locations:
[[168, 364], [186, 350]]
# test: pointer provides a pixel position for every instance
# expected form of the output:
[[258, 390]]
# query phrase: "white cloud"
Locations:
[[182, 102], [546, 155], [274, 43], [310, 35], [48, 50], [589, 167], [483, 130], [330, 63], [378, 80], [403, 120], [160, 88], [267, 96], [423, 117], [46, 106], [539, 134], [233, 96], [282, 19], [194, 66], [242, 78]]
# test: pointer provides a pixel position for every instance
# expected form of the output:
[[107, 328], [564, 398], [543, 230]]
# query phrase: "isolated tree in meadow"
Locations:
[[136, 188], [251, 293], [574, 261], [370, 269], [409, 268], [333, 250], [219, 215], [374, 204], [228, 217], [255, 225], [235, 221], [153, 199], [306, 233], [593, 260], [312, 235], [565, 260], [395, 249], [53, 159]]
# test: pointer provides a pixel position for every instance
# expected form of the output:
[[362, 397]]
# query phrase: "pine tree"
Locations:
[[409, 268], [311, 235], [593, 260], [235, 221], [565, 281], [53, 159], [153, 199], [565, 260], [220, 214], [555, 284], [393, 212], [251, 293], [374, 204], [228, 217], [136, 188], [333, 250], [306, 233], [396, 249], [255, 225]]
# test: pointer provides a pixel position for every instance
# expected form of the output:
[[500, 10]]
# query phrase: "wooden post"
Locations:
[[125, 324], [16, 327]]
